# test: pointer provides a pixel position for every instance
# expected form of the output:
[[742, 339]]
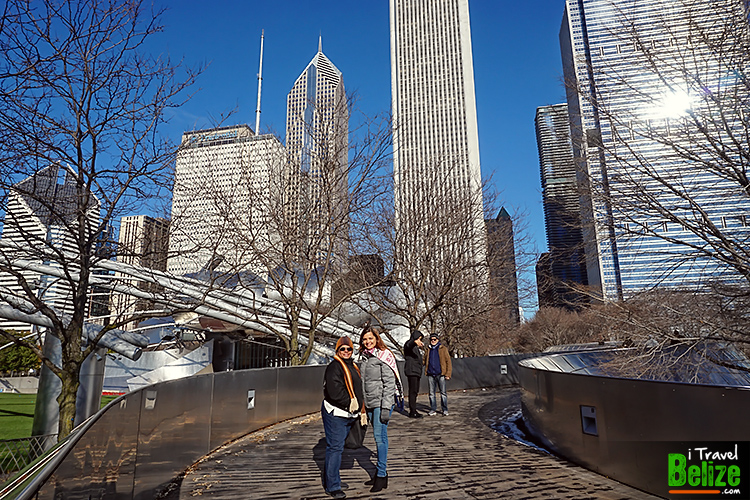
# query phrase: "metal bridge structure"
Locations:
[[245, 307]]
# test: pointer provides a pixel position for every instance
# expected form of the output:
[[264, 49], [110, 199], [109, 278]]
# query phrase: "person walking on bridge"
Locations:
[[413, 369], [342, 403], [438, 367], [381, 384]]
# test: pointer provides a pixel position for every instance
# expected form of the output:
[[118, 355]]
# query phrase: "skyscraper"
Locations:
[[501, 259], [317, 127], [143, 242], [223, 200], [562, 208], [656, 99], [435, 139], [41, 221]]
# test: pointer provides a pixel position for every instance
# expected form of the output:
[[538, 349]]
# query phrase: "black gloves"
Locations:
[[385, 415]]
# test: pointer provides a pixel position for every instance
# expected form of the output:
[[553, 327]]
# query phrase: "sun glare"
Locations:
[[674, 103]]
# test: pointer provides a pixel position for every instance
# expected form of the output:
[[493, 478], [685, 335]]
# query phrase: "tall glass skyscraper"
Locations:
[[317, 127], [42, 219], [435, 140], [655, 95], [562, 208]]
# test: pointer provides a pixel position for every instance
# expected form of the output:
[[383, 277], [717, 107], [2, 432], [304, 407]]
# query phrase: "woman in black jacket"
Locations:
[[413, 368], [342, 403]]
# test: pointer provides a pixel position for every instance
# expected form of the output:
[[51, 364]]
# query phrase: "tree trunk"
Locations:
[[67, 399], [294, 341]]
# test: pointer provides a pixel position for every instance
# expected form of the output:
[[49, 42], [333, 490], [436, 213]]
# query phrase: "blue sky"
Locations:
[[516, 68]]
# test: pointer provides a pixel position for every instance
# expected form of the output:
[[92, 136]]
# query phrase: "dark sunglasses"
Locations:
[[346, 349]]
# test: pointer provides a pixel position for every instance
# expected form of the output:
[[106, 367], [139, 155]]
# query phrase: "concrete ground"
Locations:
[[458, 456]]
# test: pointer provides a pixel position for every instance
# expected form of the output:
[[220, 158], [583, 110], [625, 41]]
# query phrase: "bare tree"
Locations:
[[81, 104], [663, 334], [309, 271], [553, 326], [480, 325], [429, 284]]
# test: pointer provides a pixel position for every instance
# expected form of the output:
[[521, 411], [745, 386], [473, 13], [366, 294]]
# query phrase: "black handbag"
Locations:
[[356, 436]]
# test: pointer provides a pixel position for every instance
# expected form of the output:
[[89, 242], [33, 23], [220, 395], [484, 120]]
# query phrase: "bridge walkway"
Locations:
[[458, 456]]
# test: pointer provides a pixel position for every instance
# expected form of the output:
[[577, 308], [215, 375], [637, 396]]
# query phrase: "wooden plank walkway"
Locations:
[[458, 456]]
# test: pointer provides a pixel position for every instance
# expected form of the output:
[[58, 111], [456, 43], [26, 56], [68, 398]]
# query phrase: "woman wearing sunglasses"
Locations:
[[342, 402], [381, 383]]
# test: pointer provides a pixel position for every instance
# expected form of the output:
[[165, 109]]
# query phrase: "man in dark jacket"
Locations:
[[438, 368], [413, 369]]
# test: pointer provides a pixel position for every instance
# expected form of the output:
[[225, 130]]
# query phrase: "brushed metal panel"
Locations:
[[636, 420], [300, 390], [484, 371], [174, 433], [230, 417], [102, 462]]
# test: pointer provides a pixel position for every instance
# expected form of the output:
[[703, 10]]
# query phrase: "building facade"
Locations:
[[501, 258], [144, 242], [437, 176], [225, 200], [317, 129], [655, 95], [565, 261], [40, 222]]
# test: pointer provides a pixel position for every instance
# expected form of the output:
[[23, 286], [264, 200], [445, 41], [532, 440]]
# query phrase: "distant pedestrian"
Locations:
[[342, 402], [438, 368], [381, 384], [413, 369]]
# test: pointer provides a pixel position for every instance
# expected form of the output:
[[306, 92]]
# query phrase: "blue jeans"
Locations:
[[434, 382], [337, 428], [380, 433]]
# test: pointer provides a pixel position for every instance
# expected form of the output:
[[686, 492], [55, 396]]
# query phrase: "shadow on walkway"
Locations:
[[453, 457]]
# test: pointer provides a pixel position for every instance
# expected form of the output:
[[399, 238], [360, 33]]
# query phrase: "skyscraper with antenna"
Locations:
[[226, 177]]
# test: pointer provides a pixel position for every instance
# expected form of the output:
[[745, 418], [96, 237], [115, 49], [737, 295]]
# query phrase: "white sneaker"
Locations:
[[445, 413], [432, 414]]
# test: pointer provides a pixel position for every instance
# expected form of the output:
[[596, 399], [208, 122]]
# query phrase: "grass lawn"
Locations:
[[17, 414]]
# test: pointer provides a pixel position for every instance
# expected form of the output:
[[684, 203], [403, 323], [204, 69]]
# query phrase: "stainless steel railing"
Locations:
[[141, 441]]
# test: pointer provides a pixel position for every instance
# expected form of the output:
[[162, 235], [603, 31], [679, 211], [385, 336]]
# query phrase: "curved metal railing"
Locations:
[[139, 442]]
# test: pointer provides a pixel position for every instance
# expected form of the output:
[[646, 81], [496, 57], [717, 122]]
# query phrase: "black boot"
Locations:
[[380, 483], [370, 481]]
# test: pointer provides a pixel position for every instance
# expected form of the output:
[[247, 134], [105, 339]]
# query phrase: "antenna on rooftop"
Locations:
[[260, 81]]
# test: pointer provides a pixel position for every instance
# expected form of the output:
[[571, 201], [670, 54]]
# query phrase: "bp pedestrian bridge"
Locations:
[[257, 434]]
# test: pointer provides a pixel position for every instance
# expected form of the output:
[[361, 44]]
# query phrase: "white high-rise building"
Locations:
[[41, 210], [435, 140], [143, 242], [317, 127], [657, 102], [225, 187]]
